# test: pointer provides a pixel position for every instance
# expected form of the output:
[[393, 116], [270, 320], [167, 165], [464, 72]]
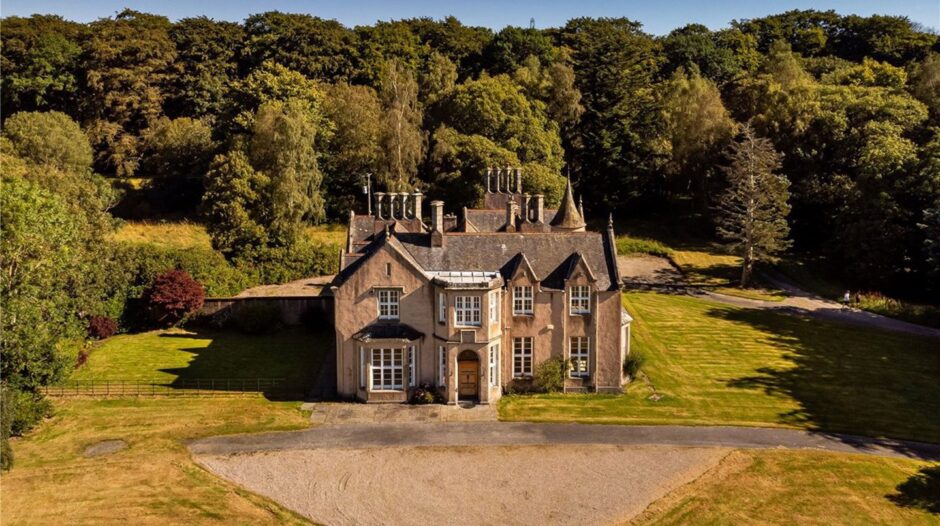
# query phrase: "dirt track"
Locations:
[[569, 484]]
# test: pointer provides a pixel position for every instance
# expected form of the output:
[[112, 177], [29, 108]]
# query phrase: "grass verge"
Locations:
[[715, 364], [775, 487]]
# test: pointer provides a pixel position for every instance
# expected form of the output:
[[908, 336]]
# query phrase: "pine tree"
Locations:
[[753, 210]]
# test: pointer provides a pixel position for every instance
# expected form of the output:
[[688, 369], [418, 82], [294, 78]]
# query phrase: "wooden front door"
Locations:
[[467, 377]]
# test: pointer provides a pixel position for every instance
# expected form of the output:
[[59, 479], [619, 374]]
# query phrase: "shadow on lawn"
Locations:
[[281, 366], [848, 379], [921, 491]]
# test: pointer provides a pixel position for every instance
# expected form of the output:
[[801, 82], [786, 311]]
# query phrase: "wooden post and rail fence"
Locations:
[[180, 387]]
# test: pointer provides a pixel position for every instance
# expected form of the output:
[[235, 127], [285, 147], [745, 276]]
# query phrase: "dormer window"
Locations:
[[522, 300], [389, 300], [580, 300]]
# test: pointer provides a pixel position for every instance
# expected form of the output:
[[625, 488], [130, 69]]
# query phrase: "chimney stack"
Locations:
[[518, 180], [511, 215], [437, 223], [539, 209], [379, 197], [417, 196], [526, 210]]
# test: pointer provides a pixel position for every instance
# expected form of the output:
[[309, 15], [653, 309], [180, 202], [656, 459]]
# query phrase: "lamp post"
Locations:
[[367, 190]]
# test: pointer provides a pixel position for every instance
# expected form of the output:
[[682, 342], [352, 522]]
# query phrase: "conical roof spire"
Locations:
[[568, 217]]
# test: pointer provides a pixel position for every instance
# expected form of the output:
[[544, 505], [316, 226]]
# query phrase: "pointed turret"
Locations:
[[568, 218]]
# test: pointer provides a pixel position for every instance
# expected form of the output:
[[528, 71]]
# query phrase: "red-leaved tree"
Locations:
[[172, 297]]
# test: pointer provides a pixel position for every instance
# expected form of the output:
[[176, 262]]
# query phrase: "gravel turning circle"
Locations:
[[565, 484]]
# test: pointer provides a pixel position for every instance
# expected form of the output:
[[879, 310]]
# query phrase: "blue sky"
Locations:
[[658, 16]]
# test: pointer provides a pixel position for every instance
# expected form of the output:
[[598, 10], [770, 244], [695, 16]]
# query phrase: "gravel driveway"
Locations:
[[457, 485]]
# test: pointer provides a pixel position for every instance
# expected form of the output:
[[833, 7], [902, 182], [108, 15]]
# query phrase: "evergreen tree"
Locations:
[[753, 210]]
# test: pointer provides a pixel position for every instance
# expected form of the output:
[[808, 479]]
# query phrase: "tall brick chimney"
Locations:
[[539, 209], [437, 223]]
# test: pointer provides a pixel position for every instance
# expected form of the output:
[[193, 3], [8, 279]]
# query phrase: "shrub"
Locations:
[[23, 410], [257, 317], [172, 297], [280, 265], [632, 365], [550, 375], [101, 327], [425, 394], [82, 358]]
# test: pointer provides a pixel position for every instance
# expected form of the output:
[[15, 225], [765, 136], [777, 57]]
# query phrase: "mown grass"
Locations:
[[185, 234], [714, 364], [154, 481], [709, 268], [168, 355], [777, 487]]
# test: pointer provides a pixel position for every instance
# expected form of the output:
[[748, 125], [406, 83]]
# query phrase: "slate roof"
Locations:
[[489, 220], [548, 254], [568, 215]]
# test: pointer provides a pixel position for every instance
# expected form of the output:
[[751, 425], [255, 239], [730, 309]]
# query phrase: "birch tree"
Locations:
[[753, 210]]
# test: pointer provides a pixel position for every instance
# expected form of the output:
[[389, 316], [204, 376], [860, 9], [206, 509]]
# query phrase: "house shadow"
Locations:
[[284, 365], [921, 491], [849, 382]]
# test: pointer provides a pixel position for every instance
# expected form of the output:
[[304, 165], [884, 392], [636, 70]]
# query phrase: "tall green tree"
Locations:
[[128, 62], [698, 129], [206, 64], [512, 45], [753, 210], [284, 146], [354, 149], [235, 211], [403, 140], [40, 63], [615, 64], [318, 49]]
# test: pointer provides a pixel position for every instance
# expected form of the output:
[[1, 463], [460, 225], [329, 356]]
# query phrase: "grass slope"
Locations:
[[722, 365], [184, 234], [154, 481], [774, 487]]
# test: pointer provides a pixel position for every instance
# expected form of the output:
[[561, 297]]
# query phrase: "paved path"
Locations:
[[655, 273], [805, 303], [351, 413], [523, 433]]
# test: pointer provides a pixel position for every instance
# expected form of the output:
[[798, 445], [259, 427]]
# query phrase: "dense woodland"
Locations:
[[258, 128]]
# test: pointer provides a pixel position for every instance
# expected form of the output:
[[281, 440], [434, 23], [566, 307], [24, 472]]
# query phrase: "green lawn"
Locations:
[[787, 487], [165, 356], [721, 365]]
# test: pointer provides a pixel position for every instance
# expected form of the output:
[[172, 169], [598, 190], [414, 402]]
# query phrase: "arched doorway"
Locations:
[[468, 376]]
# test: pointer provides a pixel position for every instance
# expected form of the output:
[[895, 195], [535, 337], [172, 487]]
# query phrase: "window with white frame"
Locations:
[[441, 307], [580, 299], [412, 367], [494, 365], [579, 350], [387, 369], [522, 300], [441, 366], [467, 311], [389, 303], [522, 357], [494, 306]]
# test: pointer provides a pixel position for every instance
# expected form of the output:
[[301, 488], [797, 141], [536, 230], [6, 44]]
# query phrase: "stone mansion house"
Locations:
[[472, 304]]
